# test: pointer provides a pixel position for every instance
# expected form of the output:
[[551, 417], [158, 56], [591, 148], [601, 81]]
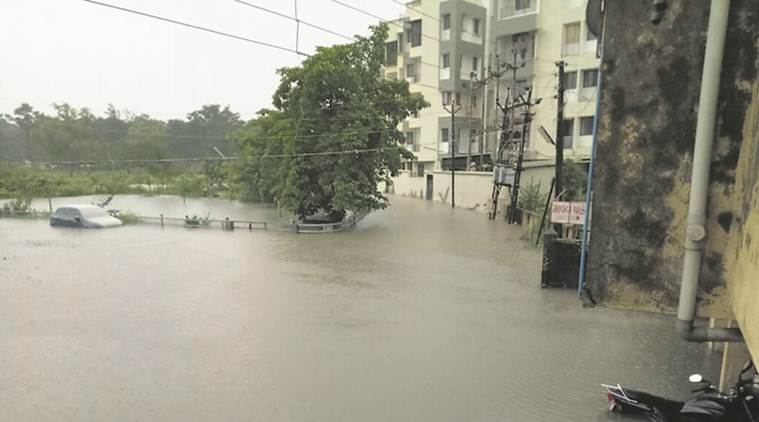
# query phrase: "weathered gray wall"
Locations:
[[646, 134]]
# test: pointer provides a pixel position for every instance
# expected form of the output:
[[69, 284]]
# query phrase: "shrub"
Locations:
[[128, 217]]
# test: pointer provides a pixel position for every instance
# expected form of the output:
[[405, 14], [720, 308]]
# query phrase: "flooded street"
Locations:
[[419, 314]]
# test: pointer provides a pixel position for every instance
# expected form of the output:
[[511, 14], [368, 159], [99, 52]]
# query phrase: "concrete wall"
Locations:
[[742, 258], [473, 189], [647, 127]]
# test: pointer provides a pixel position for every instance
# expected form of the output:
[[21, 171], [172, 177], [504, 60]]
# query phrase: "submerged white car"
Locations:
[[86, 216]]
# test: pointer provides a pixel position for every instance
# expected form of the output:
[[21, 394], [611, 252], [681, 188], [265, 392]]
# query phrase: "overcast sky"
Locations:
[[88, 55]]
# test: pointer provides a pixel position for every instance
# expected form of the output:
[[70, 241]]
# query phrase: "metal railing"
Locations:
[[226, 224]]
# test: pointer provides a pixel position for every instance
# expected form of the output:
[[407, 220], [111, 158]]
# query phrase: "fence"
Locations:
[[225, 224]]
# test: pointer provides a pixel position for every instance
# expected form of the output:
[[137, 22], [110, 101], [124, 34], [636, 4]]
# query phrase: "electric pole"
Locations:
[[483, 84], [472, 81], [526, 121], [559, 131], [453, 109]]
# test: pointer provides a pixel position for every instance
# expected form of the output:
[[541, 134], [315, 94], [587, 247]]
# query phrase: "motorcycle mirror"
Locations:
[[695, 378]]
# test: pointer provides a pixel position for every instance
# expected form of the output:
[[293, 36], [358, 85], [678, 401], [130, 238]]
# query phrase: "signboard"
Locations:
[[568, 212]]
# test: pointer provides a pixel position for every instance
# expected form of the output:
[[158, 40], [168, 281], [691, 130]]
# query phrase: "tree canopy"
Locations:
[[72, 134], [333, 132]]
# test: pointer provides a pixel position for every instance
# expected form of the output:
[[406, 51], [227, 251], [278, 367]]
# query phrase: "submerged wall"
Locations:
[[646, 132], [473, 189]]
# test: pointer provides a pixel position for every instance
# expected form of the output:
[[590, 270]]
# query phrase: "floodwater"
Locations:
[[419, 314]]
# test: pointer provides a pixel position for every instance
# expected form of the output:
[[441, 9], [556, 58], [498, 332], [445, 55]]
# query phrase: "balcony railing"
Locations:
[[472, 38], [508, 9]]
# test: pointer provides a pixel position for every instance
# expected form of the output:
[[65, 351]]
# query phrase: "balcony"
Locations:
[[412, 147], [512, 8], [587, 94], [515, 24], [570, 49], [445, 73], [583, 142], [472, 38]]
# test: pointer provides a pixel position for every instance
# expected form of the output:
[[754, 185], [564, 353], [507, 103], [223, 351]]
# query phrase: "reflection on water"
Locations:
[[420, 313]]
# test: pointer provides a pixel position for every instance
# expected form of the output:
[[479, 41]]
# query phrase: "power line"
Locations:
[[233, 138], [423, 13], [295, 19], [200, 28], [329, 31], [197, 159], [364, 12]]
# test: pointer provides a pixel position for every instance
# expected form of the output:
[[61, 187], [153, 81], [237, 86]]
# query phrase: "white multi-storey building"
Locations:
[[439, 46]]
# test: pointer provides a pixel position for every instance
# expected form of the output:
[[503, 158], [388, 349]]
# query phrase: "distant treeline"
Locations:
[[28, 135]]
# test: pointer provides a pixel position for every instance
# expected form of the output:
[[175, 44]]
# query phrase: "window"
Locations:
[[391, 53], [473, 135], [570, 80], [446, 60], [524, 43], [589, 35], [409, 138], [446, 21], [473, 101], [520, 5], [520, 87], [568, 132], [446, 97], [571, 45], [476, 26], [414, 33], [589, 78], [444, 134], [586, 126], [410, 73], [475, 64]]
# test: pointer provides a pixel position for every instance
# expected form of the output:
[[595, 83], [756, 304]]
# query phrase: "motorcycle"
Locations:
[[738, 404]]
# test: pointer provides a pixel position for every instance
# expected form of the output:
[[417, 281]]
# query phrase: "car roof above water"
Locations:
[[84, 209]]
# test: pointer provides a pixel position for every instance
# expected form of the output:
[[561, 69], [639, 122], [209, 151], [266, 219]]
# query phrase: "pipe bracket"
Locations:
[[695, 232]]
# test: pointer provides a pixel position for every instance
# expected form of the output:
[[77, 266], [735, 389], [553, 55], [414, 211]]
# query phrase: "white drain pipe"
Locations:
[[699, 188]]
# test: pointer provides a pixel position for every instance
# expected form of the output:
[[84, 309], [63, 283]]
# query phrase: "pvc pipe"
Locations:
[[699, 188], [591, 166]]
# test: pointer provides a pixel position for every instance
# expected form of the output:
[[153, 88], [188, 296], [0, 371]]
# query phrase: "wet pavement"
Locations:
[[419, 314]]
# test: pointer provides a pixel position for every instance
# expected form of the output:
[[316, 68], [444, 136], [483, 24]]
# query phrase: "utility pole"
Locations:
[[483, 84], [527, 114], [559, 131], [453, 109], [472, 81]]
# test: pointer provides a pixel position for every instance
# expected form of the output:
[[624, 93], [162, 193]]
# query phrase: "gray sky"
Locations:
[[89, 56]]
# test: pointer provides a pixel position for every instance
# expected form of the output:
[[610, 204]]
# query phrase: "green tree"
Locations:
[[26, 119], [210, 127], [68, 136], [336, 101], [574, 180], [12, 140], [146, 139]]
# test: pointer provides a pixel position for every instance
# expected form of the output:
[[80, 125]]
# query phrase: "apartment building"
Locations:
[[445, 49], [534, 35], [436, 47]]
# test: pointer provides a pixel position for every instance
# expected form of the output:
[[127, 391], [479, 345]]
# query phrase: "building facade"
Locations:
[[476, 53]]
